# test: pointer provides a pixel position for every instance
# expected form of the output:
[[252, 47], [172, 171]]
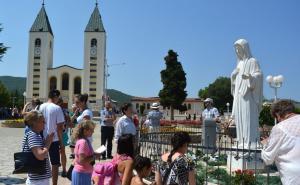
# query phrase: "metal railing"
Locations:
[[216, 163]]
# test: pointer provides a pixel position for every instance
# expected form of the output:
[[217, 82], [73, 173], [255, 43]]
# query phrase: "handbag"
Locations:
[[26, 162], [69, 173]]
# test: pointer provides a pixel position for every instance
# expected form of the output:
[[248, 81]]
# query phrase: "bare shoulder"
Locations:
[[165, 156], [136, 181]]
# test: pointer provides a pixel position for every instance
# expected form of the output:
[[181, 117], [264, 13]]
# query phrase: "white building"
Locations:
[[194, 106], [42, 76]]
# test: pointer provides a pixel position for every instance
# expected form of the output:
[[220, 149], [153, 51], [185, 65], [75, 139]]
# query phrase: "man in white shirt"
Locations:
[[125, 124], [283, 145], [54, 120]]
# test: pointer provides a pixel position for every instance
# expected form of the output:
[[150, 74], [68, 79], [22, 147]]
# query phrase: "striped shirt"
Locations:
[[35, 140]]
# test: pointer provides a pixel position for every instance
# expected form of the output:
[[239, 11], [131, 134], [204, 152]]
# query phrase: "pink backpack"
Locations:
[[106, 173]]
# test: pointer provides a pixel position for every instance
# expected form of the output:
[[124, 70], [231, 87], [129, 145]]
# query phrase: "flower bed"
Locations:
[[15, 123], [182, 122]]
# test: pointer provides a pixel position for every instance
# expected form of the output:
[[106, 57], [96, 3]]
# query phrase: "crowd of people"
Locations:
[[50, 128]]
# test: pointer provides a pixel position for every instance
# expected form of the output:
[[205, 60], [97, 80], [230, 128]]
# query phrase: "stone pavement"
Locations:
[[10, 142]]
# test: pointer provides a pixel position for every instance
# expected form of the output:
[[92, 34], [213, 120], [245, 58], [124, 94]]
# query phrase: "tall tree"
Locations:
[[219, 91], [174, 82], [4, 96], [2, 47]]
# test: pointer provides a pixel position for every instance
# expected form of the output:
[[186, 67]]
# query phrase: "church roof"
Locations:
[[41, 23], [95, 23]]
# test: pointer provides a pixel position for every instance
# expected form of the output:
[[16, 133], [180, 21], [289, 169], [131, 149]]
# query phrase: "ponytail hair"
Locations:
[[177, 141]]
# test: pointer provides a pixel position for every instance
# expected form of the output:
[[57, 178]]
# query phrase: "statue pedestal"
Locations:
[[244, 162]]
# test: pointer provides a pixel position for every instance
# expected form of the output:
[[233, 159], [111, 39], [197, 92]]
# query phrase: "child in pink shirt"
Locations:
[[84, 154]]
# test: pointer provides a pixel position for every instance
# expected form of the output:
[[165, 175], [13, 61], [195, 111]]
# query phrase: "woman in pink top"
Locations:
[[84, 154], [124, 159]]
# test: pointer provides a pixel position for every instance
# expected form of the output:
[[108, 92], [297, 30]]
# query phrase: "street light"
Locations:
[[275, 82], [24, 94], [228, 104], [106, 75]]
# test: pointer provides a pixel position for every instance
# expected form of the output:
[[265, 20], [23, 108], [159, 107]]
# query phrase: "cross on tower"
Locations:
[[96, 2], [43, 3]]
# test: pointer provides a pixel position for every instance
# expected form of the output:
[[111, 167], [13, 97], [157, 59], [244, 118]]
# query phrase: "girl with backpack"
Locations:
[[84, 154], [175, 168]]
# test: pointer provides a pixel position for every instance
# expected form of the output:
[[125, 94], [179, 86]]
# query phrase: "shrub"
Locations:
[[244, 177], [15, 123]]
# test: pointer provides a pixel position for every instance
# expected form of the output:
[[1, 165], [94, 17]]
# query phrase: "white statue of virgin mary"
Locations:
[[247, 91]]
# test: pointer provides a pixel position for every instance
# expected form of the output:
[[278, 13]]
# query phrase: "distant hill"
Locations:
[[14, 83], [119, 96], [19, 83]]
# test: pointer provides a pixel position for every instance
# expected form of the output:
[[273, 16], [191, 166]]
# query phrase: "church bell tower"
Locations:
[[94, 59], [40, 57]]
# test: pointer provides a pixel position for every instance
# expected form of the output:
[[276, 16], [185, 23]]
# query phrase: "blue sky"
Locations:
[[140, 32]]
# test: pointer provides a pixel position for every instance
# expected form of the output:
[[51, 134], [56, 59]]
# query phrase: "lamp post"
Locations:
[[228, 104], [106, 74], [275, 82], [24, 95]]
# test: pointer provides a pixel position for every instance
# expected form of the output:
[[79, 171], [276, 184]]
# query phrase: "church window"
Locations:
[[93, 70], [37, 43], [189, 106], [92, 83], [50, 45], [36, 88], [36, 82], [36, 70], [92, 89], [65, 81], [77, 85], [53, 82], [93, 64], [36, 64], [94, 43], [36, 76], [148, 105]]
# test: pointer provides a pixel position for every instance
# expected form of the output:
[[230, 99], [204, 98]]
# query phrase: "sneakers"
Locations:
[[110, 157], [64, 174]]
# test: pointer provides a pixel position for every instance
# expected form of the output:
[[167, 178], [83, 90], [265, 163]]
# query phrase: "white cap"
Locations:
[[208, 100], [155, 106]]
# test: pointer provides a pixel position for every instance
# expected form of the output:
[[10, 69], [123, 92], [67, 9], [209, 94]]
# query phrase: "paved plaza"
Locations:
[[10, 142]]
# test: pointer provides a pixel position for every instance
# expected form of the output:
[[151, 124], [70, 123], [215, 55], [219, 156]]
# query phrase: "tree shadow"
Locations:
[[12, 180]]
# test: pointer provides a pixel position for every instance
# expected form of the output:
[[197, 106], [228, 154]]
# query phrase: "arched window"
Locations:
[[94, 43], [77, 85], [37, 43], [137, 106], [53, 82], [65, 81], [189, 106], [148, 105]]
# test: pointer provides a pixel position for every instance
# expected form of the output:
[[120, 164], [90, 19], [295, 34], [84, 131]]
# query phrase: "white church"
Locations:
[[42, 76]]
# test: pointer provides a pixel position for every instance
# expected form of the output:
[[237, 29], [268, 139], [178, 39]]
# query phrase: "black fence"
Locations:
[[223, 161]]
